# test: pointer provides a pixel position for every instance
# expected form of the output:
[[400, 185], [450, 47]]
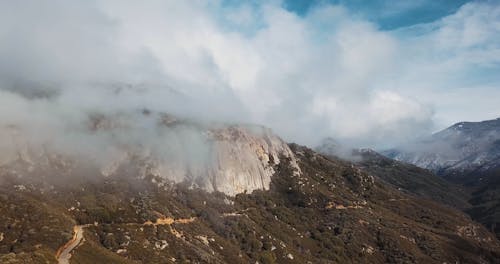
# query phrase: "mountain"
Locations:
[[405, 177], [464, 148], [467, 154], [315, 209], [215, 157], [412, 179]]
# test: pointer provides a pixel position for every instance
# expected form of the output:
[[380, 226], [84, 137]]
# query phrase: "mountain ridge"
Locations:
[[471, 159], [460, 148], [315, 208], [333, 212]]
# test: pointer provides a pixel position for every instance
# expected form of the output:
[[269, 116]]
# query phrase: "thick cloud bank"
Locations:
[[326, 73]]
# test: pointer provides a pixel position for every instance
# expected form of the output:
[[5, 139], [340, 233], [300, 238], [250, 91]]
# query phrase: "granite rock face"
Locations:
[[238, 159], [227, 158], [244, 160]]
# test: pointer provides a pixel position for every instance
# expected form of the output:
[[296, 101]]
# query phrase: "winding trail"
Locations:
[[64, 253]]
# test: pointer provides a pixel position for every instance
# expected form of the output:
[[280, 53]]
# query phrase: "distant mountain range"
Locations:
[[467, 154], [462, 150]]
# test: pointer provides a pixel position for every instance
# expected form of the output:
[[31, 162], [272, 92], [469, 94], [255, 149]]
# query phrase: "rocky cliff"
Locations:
[[215, 157]]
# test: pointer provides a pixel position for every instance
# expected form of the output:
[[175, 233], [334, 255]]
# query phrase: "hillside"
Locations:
[[466, 154], [332, 212], [405, 177], [412, 179], [453, 152]]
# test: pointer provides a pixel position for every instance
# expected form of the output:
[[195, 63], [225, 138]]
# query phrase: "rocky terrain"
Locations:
[[466, 154], [463, 148], [310, 209], [411, 179], [405, 177], [215, 157]]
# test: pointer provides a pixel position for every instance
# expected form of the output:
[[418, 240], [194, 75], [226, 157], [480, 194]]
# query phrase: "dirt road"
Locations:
[[64, 253]]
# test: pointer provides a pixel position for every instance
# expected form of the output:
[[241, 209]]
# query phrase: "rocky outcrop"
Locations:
[[244, 160], [238, 159], [227, 158]]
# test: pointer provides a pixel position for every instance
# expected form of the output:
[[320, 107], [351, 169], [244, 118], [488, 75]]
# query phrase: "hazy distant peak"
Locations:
[[464, 146]]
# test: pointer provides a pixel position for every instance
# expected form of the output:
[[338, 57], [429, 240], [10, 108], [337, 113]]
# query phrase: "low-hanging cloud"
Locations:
[[325, 74]]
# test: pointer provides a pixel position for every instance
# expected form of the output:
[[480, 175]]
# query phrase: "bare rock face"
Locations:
[[227, 158], [237, 159], [244, 159]]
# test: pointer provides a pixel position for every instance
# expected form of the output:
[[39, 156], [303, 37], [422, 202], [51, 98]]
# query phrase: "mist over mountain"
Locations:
[[180, 131], [407, 178], [332, 211], [467, 154], [328, 72], [463, 148]]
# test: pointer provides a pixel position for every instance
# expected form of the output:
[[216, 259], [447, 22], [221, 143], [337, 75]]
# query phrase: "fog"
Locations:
[[465, 142], [328, 73]]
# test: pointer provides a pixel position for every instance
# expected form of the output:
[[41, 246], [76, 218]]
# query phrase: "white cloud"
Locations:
[[326, 74]]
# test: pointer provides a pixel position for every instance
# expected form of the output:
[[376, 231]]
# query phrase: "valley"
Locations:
[[467, 156]]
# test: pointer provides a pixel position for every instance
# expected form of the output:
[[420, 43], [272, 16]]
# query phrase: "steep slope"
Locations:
[[405, 177], [468, 154], [485, 197], [412, 179], [215, 157], [460, 149], [330, 212]]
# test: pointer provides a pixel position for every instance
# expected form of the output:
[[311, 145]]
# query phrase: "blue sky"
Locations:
[[385, 13]]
